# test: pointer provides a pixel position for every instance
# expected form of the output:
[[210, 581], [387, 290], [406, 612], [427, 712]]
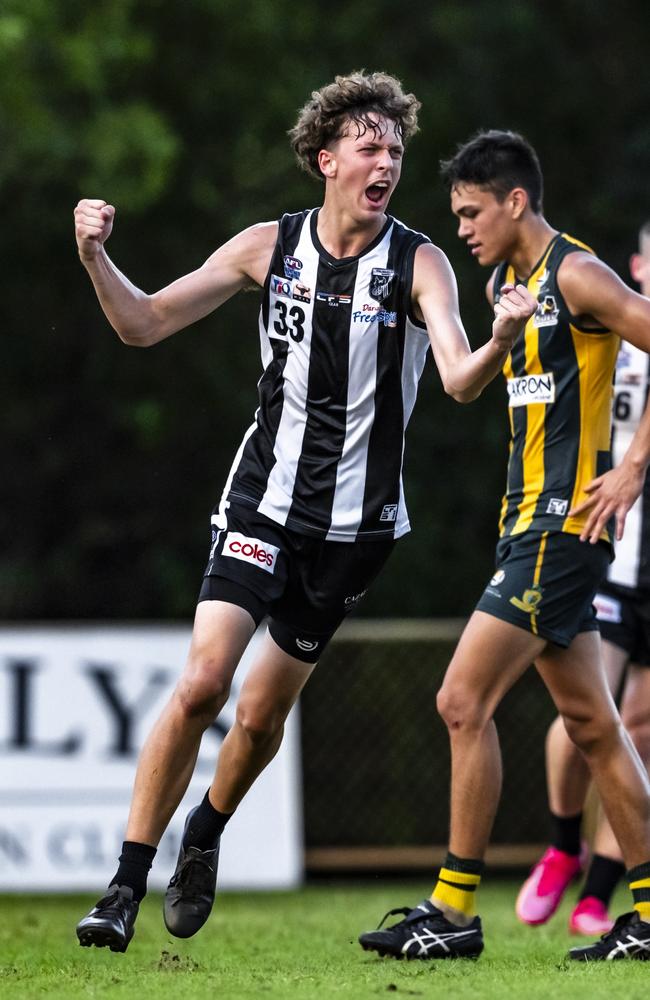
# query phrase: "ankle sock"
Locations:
[[602, 878], [639, 879], [566, 833], [457, 883], [205, 827], [134, 865]]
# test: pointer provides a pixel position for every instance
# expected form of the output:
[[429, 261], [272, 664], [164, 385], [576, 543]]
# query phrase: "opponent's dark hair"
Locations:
[[497, 161], [358, 98]]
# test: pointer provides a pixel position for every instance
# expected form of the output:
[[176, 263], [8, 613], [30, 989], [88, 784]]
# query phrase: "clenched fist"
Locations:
[[511, 313], [93, 222]]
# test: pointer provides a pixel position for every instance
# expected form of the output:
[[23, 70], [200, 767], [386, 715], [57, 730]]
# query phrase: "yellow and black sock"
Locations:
[[639, 879], [457, 883]]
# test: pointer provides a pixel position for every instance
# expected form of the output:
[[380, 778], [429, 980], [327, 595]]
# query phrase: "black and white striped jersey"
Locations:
[[342, 356], [631, 567]]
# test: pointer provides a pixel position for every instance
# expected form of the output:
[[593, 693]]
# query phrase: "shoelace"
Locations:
[[114, 901], [187, 876], [404, 911]]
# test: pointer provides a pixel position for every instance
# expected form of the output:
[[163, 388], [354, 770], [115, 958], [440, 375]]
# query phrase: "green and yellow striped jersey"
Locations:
[[559, 377]]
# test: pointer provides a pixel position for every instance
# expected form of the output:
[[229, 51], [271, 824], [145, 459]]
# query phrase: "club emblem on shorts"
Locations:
[[529, 600], [381, 280], [557, 506], [388, 512], [498, 578]]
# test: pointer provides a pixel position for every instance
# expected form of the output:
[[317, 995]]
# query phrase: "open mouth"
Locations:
[[375, 193]]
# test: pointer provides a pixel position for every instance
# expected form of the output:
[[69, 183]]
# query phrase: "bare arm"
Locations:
[[141, 319], [464, 372], [592, 290]]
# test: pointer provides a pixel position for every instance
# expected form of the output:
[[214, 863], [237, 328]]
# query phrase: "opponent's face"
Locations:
[[487, 225], [364, 165]]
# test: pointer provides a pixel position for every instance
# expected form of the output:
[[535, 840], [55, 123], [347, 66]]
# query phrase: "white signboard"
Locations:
[[75, 707]]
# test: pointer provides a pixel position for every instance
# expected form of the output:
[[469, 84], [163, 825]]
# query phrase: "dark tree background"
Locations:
[[112, 458]]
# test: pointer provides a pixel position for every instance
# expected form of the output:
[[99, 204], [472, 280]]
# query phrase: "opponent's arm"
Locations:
[[464, 372], [141, 319], [593, 292]]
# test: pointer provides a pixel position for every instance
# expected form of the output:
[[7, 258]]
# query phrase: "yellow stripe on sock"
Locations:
[[457, 898], [643, 909], [464, 878], [643, 883]]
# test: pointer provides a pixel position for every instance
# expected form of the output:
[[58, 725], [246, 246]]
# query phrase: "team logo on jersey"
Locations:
[[547, 312], [301, 292], [529, 600], [251, 550], [292, 267], [556, 506], [381, 280], [334, 301], [525, 389], [388, 512]]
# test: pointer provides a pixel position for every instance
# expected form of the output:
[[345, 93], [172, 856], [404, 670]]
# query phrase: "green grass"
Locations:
[[296, 946]]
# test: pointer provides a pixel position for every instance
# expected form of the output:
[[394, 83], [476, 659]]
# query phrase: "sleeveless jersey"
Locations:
[[631, 568], [559, 379], [342, 357]]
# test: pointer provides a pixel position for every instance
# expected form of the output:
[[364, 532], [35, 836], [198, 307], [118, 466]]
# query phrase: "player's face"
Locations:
[[365, 165], [485, 223]]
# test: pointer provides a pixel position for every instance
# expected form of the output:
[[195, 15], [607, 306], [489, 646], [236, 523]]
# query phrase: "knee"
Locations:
[[460, 709], [262, 724], [202, 691], [592, 734], [637, 724]]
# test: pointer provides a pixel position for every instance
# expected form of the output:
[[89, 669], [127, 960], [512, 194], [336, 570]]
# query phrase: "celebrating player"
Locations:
[[623, 612], [351, 300], [559, 497]]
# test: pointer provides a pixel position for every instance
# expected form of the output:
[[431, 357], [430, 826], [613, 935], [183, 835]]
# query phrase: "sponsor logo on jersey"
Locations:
[[608, 609], [557, 506], [381, 280], [380, 316], [526, 389], [498, 578], [292, 267], [334, 300], [281, 286], [301, 292], [251, 550], [389, 512], [307, 645], [529, 600], [543, 278], [547, 312]]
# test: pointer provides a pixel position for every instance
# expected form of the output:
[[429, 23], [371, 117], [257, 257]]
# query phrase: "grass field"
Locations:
[[295, 946]]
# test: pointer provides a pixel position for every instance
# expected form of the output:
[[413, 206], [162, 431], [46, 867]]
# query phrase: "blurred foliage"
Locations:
[[177, 113]]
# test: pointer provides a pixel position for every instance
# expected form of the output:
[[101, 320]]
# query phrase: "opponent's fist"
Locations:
[[511, 313], [93, 222]]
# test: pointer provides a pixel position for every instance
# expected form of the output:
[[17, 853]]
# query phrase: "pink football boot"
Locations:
[[541, 893], [590, 917]]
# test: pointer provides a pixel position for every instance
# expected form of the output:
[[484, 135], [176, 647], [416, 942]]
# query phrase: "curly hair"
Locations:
[[358, 98]]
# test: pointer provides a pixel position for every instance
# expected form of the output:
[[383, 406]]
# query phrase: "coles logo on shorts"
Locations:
[[251, 550]]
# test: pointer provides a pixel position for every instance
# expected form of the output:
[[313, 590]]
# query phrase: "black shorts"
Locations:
[[545, 583], [305, 585], [623, 616]]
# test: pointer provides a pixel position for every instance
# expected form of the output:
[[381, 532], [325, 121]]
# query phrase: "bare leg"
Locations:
[[221, 633], [635, 714], [576, 681], [567, 773], [269, 691], [490, 656]]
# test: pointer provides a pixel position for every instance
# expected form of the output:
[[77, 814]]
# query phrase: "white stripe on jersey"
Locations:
[[287, 449], [416, 346], [630, 392], [347, 508]]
